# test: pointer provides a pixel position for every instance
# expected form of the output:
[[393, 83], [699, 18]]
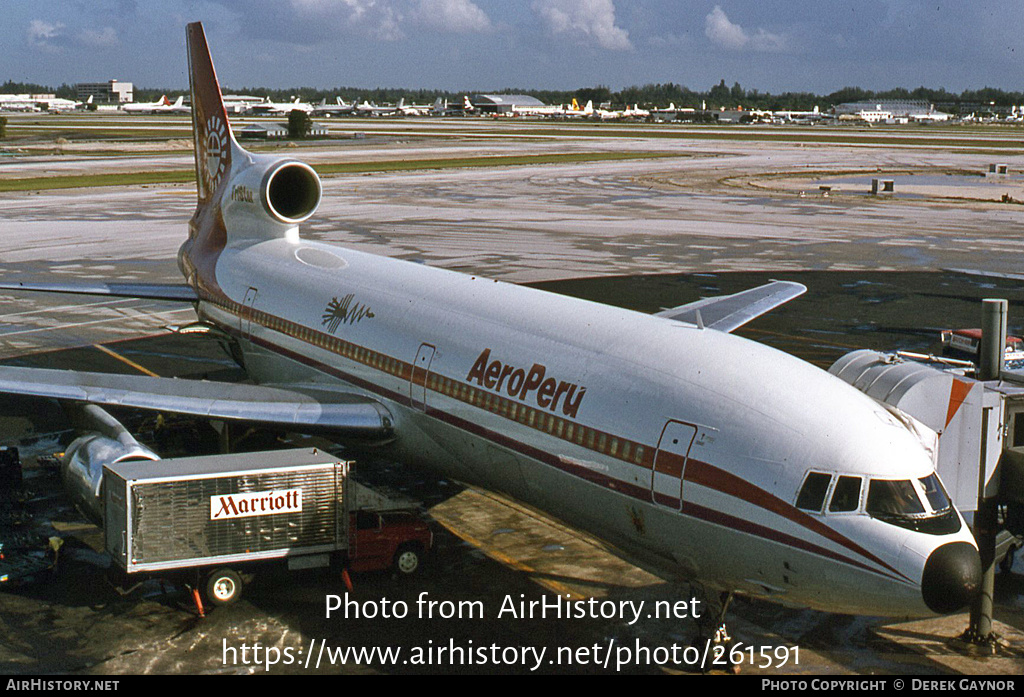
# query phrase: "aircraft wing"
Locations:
[[145, 291], [727, 312], [341, 413]]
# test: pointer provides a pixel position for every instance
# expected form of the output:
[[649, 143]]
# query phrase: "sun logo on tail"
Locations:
[[216, 147]]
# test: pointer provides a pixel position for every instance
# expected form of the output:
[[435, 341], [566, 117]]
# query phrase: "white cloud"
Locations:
[[458, 16], [45, 36], [584, 19], [308, 22], [53, 37], [721, 31], [729, 35], [387, 26]]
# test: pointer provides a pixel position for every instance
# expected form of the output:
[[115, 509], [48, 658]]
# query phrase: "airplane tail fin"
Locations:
[[214, 143]]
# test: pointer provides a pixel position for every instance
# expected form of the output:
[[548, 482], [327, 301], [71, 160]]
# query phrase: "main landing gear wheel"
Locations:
[[223, 587], [408, 560]]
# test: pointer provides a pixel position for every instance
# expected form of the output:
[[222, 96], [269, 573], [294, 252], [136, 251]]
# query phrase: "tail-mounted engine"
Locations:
[[269, 197]]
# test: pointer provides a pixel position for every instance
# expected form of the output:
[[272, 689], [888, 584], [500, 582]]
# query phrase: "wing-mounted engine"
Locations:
[[267, 197], [105, 441]]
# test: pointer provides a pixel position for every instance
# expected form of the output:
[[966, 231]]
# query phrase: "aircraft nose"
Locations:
[[952, 576]]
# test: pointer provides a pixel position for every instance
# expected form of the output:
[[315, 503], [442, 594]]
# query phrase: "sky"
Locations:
[[479, 45]]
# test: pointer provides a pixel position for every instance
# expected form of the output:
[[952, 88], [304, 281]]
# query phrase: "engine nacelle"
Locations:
[[268, 197], [107, 442]]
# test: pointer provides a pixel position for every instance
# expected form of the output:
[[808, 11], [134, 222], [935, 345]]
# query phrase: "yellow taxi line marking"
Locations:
[[127, 361]]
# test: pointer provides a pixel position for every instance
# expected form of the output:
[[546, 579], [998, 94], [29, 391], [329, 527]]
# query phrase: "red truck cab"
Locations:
[[396, 539]]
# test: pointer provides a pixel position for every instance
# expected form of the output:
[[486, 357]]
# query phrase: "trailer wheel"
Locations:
[[223, 587], [408, 559]]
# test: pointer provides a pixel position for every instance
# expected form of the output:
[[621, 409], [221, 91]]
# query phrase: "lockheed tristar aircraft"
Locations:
[[707, 455]]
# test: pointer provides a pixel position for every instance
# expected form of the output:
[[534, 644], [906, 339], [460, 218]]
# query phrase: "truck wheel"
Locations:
[[223, 587], [408, 560]]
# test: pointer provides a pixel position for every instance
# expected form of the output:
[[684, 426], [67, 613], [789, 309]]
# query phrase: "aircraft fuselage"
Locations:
[[683, 446]]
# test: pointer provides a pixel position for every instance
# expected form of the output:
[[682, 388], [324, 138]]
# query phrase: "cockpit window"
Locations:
[[936, 495], [812, 493], [893, 497], [897, 503], [846, 495]]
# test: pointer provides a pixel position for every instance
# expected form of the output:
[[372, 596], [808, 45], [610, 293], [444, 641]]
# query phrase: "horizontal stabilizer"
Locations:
[[728, 312], [145, 291], [341, 413]]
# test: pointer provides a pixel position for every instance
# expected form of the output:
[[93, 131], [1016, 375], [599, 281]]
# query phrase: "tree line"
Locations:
[[651, 95]]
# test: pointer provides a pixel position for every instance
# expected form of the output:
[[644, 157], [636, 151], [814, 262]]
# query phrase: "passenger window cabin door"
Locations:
[[670, 463], [420, 375], [245, 319]]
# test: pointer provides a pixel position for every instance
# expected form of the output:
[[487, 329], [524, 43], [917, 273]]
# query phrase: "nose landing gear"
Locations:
[[718, 648]]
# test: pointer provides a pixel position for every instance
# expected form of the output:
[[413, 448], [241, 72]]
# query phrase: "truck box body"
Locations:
[[200, 511]]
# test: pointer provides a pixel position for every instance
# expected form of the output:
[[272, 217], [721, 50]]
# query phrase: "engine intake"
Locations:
[[291, 192]]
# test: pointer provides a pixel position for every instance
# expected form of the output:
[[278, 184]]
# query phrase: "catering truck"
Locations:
[[211, 519]]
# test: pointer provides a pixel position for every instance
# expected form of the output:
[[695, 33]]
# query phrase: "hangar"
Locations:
[[890, 111], [503, 103]]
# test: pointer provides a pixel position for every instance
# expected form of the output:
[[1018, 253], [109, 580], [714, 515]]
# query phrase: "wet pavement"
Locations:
[[719, 217]]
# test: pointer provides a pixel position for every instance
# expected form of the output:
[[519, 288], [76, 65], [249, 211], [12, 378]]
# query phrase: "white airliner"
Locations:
[[269, 107], [161, 105], [708, 455], [367, 109], [339, 108], [436, 109]]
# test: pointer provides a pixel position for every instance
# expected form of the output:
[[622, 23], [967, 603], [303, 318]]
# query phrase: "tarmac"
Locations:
[[663, 230]]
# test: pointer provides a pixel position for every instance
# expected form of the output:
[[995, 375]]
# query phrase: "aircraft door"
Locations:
[[670, 463], [420, 375], [245, 320]]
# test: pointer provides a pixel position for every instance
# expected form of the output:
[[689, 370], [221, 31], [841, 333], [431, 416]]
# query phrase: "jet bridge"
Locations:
[[951, 405], [980, 425], [979, 453]]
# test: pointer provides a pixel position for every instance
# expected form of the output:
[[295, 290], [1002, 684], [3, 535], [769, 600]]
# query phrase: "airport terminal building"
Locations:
[[110, 91]]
